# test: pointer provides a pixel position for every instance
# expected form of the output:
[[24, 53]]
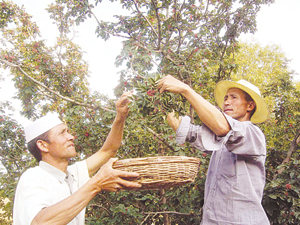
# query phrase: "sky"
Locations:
[[276, 24]]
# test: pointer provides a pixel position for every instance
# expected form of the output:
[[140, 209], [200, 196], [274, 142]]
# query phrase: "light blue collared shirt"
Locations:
[[236, 174]]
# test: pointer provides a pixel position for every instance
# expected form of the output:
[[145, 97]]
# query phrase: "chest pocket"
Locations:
[[227, 167]]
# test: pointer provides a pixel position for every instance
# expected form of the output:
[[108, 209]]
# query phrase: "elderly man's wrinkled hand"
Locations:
[[173, 121], [123, 102], [170, 83], [109, 179]]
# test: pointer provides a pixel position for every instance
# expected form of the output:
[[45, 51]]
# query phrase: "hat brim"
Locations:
[[261, 112]]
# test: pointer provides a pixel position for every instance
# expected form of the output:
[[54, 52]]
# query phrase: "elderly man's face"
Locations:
[[236, 106], [61, 142]]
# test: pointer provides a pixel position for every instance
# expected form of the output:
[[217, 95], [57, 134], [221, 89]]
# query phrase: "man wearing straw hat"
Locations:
[[236, 174], [56, 193]]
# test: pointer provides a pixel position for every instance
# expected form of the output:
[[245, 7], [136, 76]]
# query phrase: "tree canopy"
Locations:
[[195, 41]]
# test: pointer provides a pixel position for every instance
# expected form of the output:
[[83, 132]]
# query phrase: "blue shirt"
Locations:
[[236, 174]]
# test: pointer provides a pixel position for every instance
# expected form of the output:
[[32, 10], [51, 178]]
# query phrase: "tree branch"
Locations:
[[100, 206], [51, 91], [159, 138], [167, 212], [152, 28], [113, 34], [292, 149]]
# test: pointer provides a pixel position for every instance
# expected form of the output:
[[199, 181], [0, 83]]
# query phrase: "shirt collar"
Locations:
[[58, 174]]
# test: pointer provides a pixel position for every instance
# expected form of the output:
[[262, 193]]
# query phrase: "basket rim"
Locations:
[[155, 160]]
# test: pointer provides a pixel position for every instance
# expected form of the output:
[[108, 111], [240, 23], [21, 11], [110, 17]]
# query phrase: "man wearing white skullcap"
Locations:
[[54, 192], [236, 174]]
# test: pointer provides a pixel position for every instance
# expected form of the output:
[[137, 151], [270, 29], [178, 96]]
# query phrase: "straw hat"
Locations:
[[261, 112], [40, 126]]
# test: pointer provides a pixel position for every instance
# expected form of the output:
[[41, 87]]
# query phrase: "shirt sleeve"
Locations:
[[31, 197], [244, 137], [200, 137]]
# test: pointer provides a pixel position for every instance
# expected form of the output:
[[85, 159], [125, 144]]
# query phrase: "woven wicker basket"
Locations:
[[162, 171]]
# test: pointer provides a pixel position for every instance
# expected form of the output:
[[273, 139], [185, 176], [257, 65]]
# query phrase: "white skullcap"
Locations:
[[40, 126]]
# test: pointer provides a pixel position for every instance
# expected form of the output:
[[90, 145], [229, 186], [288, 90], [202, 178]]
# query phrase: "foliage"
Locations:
[[14, 158], [46, 79], [59, 68], [282, 193], [196, 42]]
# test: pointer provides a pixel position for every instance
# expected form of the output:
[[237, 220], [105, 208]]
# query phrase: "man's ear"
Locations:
[[42, 145], [251, 106]]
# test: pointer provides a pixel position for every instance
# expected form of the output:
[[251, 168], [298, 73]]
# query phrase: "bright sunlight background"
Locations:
[[276, 24]]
